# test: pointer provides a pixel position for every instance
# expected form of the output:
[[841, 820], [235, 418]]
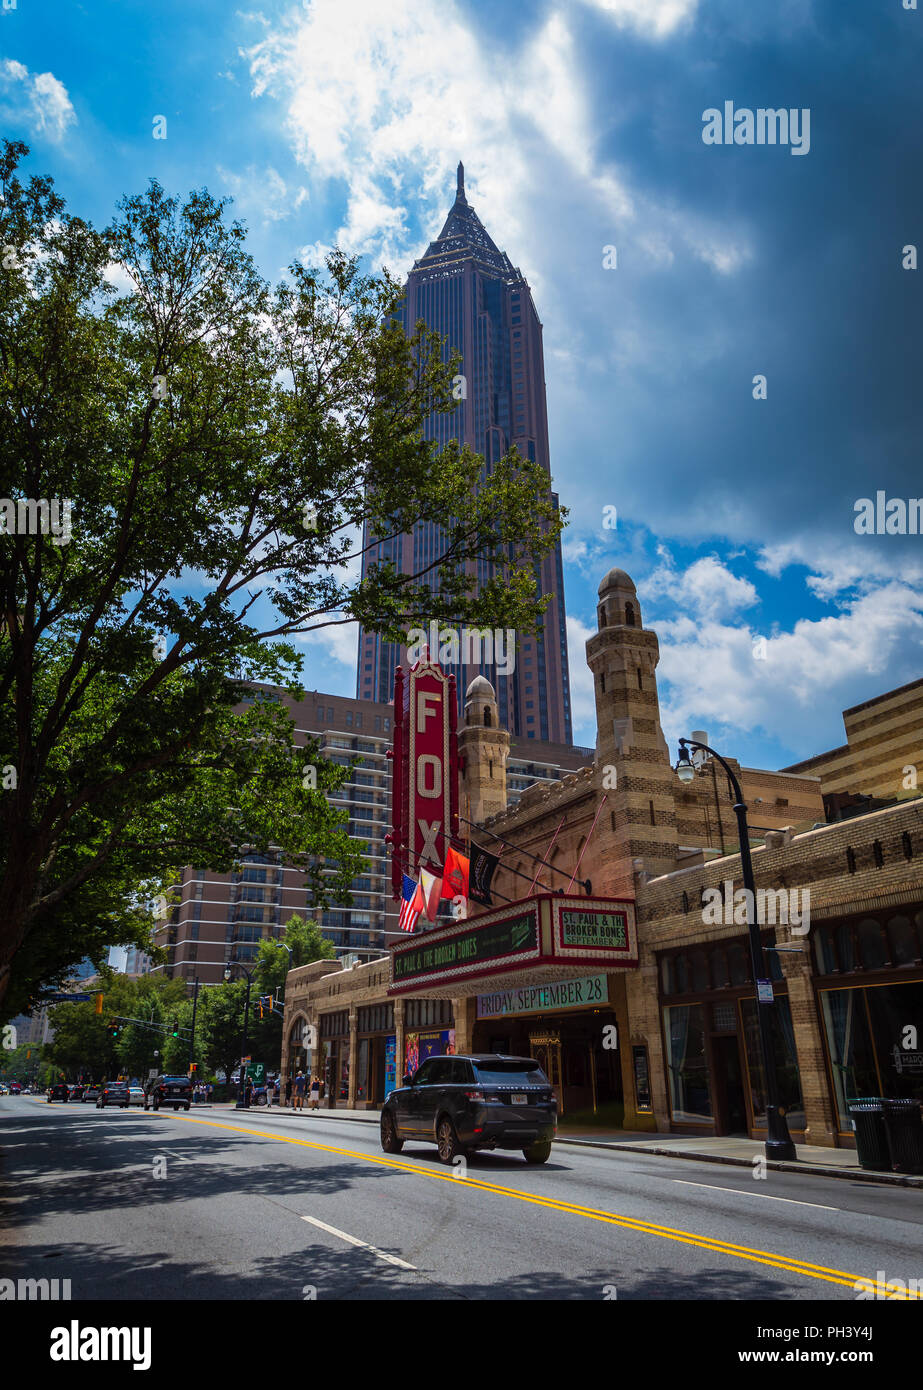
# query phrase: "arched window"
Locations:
[[845, 947], [737, 963], [487, 716], [904, 948], [629, 615], [872, 944]]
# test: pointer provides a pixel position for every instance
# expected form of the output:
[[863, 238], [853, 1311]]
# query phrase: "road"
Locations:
[[230, 1205]]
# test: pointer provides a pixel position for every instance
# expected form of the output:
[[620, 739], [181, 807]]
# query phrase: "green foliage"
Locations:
[[82, 1042], [222, 446]]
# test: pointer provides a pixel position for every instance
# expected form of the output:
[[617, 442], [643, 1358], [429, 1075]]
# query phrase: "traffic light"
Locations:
[[98, 1008], [174, 1029], [193, 1066], [113, 1028]]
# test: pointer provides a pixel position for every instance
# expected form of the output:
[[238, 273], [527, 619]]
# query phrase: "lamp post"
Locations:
[[242, 1103], [778, 1143]]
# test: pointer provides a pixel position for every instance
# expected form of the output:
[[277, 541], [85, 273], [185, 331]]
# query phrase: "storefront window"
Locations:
[[690, 1098], [786, 1059], [362, 1070], [681, 975], [896, 1013], [850, 1045]]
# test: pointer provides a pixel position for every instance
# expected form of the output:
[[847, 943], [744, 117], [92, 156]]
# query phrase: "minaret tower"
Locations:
[[483, 749], [631, 751]]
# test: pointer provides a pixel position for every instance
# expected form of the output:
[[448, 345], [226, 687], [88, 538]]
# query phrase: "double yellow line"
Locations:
[[630, 1223]]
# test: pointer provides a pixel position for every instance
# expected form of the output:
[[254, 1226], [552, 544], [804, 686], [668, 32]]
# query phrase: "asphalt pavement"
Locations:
[[231, 1205]]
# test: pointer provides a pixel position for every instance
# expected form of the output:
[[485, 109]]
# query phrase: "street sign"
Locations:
[[152, 1073], [764, 991], [70, 999], [257, 1073], [244, 1060]]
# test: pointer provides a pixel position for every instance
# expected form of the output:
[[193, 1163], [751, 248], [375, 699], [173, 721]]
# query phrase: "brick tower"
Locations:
[[631, 750], [483, 750]]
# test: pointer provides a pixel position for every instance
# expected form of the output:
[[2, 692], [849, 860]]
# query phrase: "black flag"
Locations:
[[480, 874]]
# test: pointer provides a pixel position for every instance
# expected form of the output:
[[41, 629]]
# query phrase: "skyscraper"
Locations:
[[470, 292]]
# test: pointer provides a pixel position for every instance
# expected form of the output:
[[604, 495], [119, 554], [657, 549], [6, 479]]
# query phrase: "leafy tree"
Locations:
[[225, 449], [219, 1026], [83, 1043], [20, 1063]]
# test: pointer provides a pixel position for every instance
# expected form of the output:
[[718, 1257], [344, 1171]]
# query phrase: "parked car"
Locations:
[[168, 1090], [485, 1101], [59, 1092], [91, 1091], [113, 1093]]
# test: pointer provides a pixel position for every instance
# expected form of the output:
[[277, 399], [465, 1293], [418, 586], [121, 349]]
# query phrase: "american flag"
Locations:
[[409, 914]]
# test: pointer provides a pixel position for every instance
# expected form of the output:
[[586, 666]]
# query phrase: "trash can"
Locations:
[[871, 1137], [903, 1124]]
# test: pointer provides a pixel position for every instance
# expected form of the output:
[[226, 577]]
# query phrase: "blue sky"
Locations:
[[580, 124]]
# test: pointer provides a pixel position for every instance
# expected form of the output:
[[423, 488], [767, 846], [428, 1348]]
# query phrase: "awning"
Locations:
[[547, 937]]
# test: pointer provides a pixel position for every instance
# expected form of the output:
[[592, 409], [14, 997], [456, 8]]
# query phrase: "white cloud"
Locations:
[[858, 563], [263, 193], [650, 18], [39, 100], [386, 99], [582, 694], [707, 587], [713, 676]]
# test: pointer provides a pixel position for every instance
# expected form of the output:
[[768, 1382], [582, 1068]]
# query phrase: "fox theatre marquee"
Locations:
[[547, 938]]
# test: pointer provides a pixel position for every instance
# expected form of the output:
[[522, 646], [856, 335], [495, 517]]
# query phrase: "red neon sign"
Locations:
[[425, 770]]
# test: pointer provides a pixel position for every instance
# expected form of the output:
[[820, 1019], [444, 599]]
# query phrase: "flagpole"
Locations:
[[586, 842], [550, 848]]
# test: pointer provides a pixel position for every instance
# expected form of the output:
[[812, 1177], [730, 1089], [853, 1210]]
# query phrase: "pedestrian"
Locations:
[[299, 1091], [315, 1092], [288, 1091], [268, 1094], [248, 1090]]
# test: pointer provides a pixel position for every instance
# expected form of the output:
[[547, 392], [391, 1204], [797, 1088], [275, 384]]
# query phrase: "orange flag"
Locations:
[[455, 875]]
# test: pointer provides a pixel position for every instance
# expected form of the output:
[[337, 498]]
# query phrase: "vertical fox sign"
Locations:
[[424, 794]]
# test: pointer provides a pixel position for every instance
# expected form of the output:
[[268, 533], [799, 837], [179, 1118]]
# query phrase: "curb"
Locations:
[[779, 1166]]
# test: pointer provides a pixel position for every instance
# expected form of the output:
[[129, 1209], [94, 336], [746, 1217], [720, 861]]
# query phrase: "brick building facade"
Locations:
[[670, 1043]]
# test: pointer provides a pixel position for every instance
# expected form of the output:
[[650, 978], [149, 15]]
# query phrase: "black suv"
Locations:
[[478, 1102], [113, 1093], [59, 1092], [168, 1090]]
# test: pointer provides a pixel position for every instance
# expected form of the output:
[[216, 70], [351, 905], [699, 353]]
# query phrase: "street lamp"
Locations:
[[242, 1102], [778, 1143]]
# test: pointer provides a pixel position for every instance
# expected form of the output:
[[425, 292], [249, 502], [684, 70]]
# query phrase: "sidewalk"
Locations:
[[812, 1158]]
